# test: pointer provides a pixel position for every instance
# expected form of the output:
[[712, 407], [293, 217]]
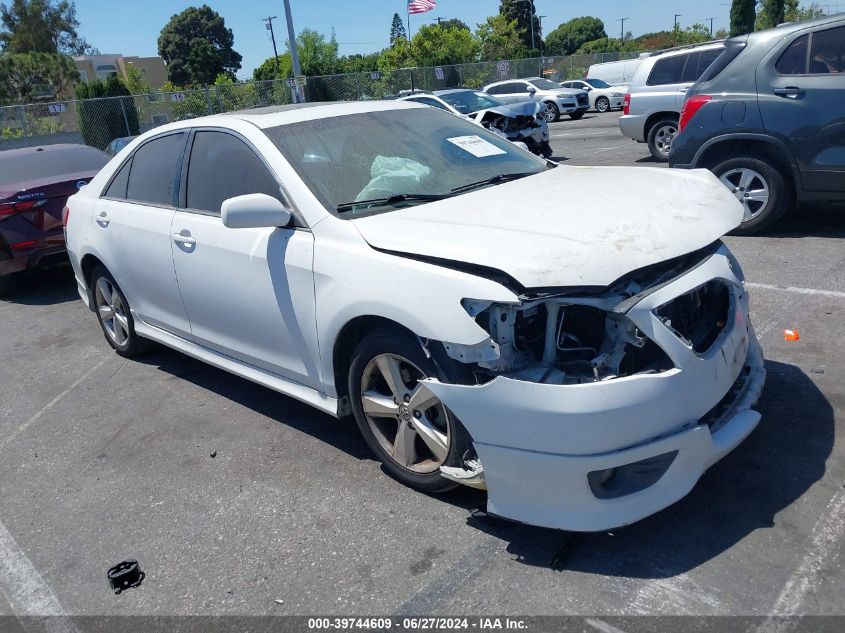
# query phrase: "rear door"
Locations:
[[801, 86], [514, 92], [249, 293], [665, 84], [132, 231]]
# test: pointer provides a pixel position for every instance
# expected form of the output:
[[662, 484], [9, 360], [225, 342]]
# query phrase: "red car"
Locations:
[[35, 183]]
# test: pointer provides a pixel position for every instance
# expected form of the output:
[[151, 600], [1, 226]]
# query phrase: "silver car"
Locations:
[[653, 104]]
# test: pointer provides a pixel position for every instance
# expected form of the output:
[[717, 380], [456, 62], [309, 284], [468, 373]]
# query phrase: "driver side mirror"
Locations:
[[254, 210], [532, 90]]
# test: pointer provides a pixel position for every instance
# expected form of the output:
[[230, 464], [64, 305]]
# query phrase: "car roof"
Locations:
[[273, 116], [10, 154], [451, 91]]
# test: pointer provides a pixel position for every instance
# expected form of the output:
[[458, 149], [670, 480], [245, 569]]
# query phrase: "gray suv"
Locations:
[[653, 105], [768, 118]]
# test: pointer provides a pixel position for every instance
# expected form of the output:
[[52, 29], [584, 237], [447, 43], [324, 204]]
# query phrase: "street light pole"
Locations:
[[294, 54], [677, 15]]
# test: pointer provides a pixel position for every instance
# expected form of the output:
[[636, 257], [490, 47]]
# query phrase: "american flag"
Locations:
[[421, 6]]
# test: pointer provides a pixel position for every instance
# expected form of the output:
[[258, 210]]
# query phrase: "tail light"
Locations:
[[65, 216], [11, 208], [626, 104], [691, 106], [19, 246]]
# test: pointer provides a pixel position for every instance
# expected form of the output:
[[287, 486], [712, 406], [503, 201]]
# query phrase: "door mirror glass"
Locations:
[[254, 210], [531, 90]]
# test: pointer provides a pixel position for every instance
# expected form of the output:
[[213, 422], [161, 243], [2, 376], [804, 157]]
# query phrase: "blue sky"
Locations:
[[131, 28]]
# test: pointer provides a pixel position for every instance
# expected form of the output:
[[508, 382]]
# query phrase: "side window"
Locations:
[[517, 87], [154, 170], [429, 102], [794, 59], [117, 188], [707, 58], [667, 71], [495, 90], [691, 68], [567, 84], [827, 55], [222, 166]]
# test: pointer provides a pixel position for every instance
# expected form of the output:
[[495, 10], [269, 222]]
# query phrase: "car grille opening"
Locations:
[[699, 316], [583, 100]]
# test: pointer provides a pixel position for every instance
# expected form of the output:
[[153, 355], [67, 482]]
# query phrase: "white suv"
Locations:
[[555, 100], [653, 104]]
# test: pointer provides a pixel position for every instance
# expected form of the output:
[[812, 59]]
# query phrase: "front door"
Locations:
[[249, 293], [801, 88]]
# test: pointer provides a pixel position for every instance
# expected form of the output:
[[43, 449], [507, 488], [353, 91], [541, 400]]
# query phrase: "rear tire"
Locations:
[[760, 187], [115, 316], [660, 138], [384, 374], [603, 105]]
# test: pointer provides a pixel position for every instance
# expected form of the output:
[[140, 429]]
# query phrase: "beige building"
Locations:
[[93, 67]]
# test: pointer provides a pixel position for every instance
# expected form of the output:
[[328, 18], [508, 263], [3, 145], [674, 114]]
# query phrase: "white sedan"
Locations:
[[603, 96], [585, 364]]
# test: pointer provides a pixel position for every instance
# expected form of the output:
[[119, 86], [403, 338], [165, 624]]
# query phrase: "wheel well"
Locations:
[[720, 152], [658, 116], [89, 262], [346, 342]]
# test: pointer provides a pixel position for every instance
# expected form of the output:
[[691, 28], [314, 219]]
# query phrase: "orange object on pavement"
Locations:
[[791, 335]]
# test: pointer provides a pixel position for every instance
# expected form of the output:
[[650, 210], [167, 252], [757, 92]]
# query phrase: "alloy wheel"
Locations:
[[663, 138], [406, 418], [550, 113], [602, 105], [111, 311], [750, 188]]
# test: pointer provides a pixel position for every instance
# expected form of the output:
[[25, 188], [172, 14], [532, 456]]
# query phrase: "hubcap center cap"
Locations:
[[405, 413]]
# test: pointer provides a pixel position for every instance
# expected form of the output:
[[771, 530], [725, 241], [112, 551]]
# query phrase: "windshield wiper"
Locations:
[[495, 180], [394, 199]]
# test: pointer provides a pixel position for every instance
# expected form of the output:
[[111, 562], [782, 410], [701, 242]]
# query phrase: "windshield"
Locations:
[[56, 164], [598, 83], [468, 102], [544, 84], [394, 158]]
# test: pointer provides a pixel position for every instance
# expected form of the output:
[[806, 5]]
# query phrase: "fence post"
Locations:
[[217, 94], [208, 100], [125, 118], [358, 87], [23, 125]]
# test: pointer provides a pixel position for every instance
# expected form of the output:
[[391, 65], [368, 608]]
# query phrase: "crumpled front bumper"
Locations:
[[541, 445]]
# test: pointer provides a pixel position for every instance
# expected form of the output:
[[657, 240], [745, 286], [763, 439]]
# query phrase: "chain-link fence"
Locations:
[[97, 122]]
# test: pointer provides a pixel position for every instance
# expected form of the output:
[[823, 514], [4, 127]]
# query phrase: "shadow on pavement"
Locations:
[[42, 288], [744, 492]]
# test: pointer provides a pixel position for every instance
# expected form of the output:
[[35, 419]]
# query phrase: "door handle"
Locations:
[[103, 219], [790, 92], [684, 90], [184, 239]]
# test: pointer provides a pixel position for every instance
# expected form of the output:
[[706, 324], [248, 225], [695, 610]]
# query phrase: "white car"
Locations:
[[603, 96], [583, 363], [555, 100]]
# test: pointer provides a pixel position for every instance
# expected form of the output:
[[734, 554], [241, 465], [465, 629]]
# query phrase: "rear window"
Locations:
[[723, 58], [794, 59], [827, 54], [50, 164], [154, 170], [668, 71]]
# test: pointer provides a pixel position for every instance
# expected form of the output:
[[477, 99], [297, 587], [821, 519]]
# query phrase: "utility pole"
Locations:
[[269, 23], [439, 20], [622, 32], [294, 54], [677, 15], [711, 25]]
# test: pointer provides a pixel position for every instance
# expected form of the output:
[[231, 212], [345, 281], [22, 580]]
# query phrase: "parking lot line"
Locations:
[[24, 588], [801, 291], [32, 420]]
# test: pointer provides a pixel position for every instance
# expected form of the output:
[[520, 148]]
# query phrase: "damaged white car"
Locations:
[[583, 364]]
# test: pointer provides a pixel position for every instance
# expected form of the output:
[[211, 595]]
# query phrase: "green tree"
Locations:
[[499, 38], [772, 13], [436, 46], [397, 29], [603, 45], [269, 70], [101, 119], [22, 73], [453, 23], [357, 63], [197, 47], [794, 13], [317, 55], [397, 56], [136, 81], [570, 36], [524, 12], [743, 16], [43, 26]]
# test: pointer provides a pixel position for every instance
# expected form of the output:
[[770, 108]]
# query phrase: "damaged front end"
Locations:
[[621, 397]]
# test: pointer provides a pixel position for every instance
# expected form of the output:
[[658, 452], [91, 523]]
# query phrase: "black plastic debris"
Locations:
[[125, 575]]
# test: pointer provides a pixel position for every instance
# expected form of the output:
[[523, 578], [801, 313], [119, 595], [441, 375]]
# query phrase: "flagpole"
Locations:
[[408, 9]]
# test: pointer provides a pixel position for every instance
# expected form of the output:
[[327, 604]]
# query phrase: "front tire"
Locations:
[[603, 105], [410, 431], [114, 315], [760, 187], [660, 139], [575, 116], [551, 112]]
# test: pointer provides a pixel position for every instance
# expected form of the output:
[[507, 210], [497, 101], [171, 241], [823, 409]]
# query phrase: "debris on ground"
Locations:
[[213, 454], [125, 575]]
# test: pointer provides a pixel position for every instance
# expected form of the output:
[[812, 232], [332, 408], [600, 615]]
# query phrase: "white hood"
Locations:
[[570, 226]]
